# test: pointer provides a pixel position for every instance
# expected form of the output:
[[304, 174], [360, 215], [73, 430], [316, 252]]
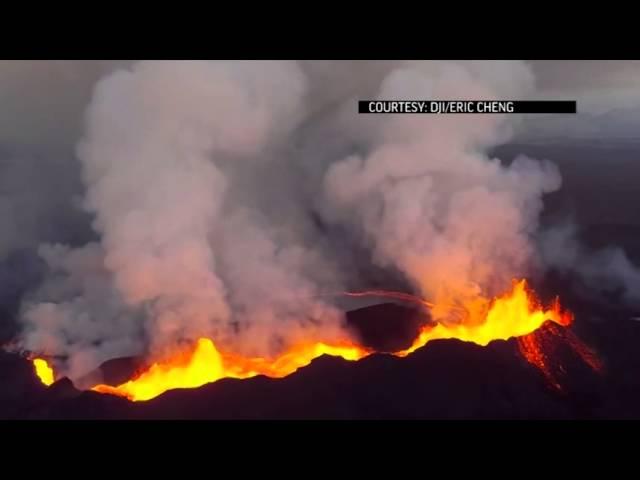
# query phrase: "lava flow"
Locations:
[[43, 371], [539, 348], [515, 314], [206, 364], [512, 315]]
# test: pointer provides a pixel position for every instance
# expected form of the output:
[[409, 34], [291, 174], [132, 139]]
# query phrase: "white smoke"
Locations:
[[83, 317], [158, 138], [273, 286], [428, 199], [201, 177]]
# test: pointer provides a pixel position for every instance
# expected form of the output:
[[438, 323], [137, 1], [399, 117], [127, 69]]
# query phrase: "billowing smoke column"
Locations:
[[429, 201], [157, 140], [176, 160]]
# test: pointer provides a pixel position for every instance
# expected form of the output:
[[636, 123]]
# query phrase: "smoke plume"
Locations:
[[428, 200], [158, 139], [229, 197]]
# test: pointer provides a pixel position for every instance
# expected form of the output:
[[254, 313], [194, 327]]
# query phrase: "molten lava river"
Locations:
[[514, 314]]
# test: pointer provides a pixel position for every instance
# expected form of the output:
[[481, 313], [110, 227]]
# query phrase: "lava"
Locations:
[[43, 371], [540, 347], [533, 350], [206, 364], [514, 314]]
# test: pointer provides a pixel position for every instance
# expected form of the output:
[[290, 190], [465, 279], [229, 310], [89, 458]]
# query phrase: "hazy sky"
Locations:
[[43, 101], [587, 74], [600, 86]]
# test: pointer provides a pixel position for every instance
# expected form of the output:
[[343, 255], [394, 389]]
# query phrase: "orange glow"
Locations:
[[514, 314], [539, 348], [206, 364], [201, 367], [43, 371], [532, 349]]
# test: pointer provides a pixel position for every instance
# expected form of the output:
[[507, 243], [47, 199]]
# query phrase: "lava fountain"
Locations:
[[43, 371], [515, 314]]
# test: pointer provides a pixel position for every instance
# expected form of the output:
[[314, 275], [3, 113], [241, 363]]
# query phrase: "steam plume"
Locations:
[[227, 195], [155, 141], [428, 200]]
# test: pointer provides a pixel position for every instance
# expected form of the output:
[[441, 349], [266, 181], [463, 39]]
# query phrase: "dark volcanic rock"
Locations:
[[446, 379], [20, 388], [113, 372], [387, 327], [85, 406]]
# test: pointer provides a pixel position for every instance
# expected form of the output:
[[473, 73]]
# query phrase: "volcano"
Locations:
[[516, 313], [444, 379]]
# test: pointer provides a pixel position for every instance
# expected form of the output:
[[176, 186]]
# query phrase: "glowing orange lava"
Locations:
[[532, 348], [540, 349], [206, 364], [43, 371], [515, 314]]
